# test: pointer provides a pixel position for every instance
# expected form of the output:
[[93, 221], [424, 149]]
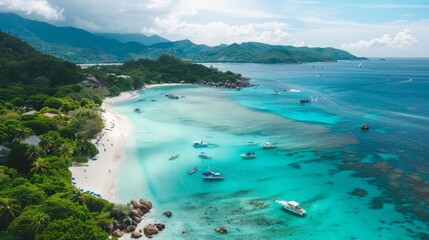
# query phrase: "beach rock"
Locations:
[[143, 209], [221, 230], [131, 228], [160, 226], [359, 192], [136, 235], [137, 219], [140, 214], [135, 204], [133, 212], [150, 229], [127, 222], [168, 214], [146, 203], [118, 233]]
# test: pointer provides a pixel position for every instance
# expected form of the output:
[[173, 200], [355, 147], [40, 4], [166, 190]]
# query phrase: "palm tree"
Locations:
[[9, 210], [40, 223], [21, 133], [76, 196], [40, 165], [66, 150], [46, 143], [33, 152]]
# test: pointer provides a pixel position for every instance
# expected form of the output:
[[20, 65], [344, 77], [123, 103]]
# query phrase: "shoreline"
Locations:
[[100, 176]]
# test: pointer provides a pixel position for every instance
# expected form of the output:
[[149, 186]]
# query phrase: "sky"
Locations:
[[389, 28]]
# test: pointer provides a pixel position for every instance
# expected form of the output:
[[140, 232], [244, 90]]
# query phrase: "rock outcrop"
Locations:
[[117, 233], [168, 214], [150, 230]]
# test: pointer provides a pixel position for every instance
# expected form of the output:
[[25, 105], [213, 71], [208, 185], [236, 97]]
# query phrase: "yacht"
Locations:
[[292, 206], [248, 155], [200, 144], [269, 145], [210, 175]]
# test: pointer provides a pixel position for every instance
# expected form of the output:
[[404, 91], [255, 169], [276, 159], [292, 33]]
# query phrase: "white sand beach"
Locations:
[[100, 175]]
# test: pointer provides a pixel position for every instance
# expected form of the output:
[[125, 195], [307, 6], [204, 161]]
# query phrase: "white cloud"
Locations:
[[400, 40], [38, 7], [158, 3], [217, 32], [231, 8]]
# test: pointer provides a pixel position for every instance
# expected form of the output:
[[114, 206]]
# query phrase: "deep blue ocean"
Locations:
[[354, 184]]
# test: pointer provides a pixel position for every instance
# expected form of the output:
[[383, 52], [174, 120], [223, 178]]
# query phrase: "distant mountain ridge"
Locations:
[[79, 46], [133, 37]]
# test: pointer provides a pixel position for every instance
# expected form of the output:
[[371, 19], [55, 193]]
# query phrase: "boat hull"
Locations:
[[298, 211], [213, 178], [192, 171]]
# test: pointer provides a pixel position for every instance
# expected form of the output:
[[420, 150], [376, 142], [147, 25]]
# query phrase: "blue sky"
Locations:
[[365, 28]]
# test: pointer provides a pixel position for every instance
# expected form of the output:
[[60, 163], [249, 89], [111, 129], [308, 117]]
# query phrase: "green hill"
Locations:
[[80, 46], [68, 43], [139, 38], [26, 71]]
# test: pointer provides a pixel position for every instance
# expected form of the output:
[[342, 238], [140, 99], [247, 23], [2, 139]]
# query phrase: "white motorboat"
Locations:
[[210, 175], [200, 144], [248, 155], [291, 206], [269, 145]]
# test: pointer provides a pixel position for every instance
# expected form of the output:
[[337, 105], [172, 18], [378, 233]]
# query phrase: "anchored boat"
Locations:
[[210, 175], [193, 170], [200, 144], [292, 206]]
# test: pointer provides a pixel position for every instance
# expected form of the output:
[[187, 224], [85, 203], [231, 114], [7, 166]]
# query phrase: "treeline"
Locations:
[[166, 69], [42, 96]]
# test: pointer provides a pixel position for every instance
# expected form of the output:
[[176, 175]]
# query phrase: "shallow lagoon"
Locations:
[[322, 154]]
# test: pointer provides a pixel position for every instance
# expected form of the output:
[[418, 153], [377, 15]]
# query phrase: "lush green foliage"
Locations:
[[35, 184], [166, 69]]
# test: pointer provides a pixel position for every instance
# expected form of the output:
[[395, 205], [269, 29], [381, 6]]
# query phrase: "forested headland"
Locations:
[[49, 112]]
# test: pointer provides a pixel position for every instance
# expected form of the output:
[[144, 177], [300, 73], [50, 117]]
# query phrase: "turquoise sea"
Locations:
[[353, 184]]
